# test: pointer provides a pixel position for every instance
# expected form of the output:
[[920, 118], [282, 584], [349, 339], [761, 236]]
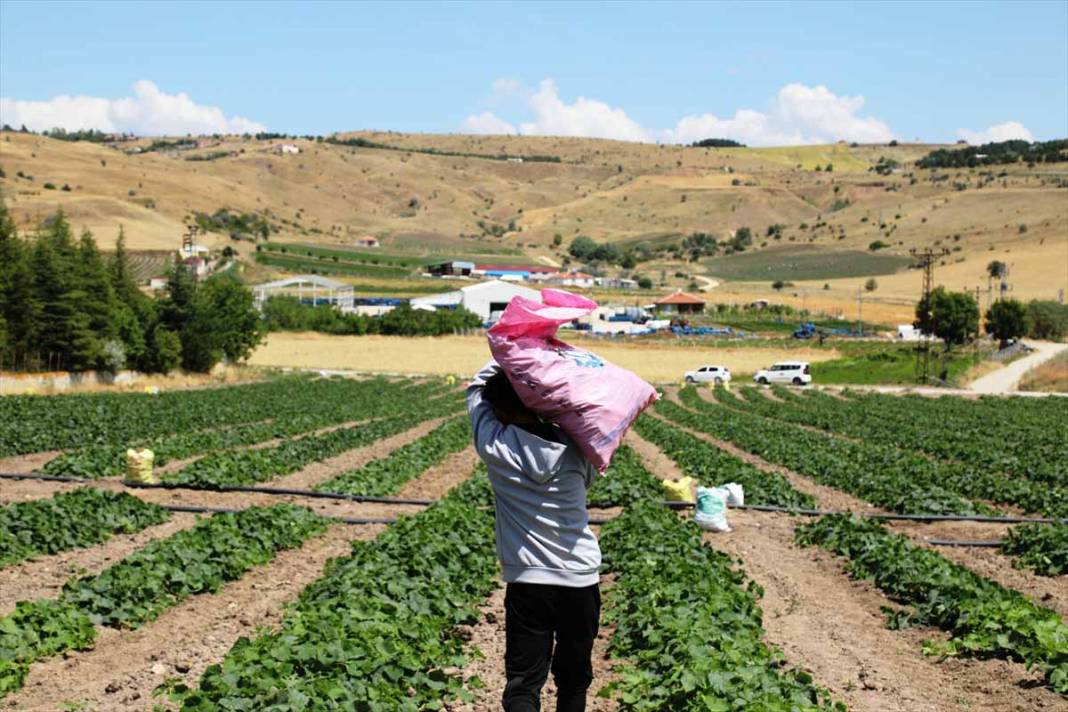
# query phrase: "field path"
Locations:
[[834, 627], [1007, 379], [44, 576], [124, 667]]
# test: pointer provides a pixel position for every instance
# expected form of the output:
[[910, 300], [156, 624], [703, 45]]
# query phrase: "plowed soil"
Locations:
[[487, 636], [124, 667]]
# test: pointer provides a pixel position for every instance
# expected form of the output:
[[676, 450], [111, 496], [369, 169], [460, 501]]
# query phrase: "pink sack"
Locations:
[[594, 401]]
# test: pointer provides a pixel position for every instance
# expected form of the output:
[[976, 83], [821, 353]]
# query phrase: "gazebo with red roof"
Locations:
[[680, 302]]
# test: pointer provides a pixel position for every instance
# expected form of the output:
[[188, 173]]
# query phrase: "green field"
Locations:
[[802, 262]]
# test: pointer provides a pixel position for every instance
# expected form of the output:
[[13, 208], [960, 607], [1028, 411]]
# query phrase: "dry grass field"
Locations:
[[463, 355], [443, 205]]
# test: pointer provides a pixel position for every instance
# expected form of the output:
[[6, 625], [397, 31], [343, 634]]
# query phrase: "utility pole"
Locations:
[[926, 259]]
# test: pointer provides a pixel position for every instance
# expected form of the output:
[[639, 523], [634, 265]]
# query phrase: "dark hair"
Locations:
[[498, 392]]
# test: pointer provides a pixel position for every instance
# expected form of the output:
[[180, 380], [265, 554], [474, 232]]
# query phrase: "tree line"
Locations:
[[286, 313], [65, 306], [954, 318], [999, 152]]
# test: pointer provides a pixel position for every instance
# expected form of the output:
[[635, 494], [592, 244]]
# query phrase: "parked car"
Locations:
[[796, 372], [709, 374]]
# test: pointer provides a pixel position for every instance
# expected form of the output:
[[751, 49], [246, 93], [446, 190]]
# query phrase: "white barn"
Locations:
[[487, 299]]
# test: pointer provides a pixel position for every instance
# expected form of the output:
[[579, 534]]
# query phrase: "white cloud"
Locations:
[[584, 117], [487, 123], [148, 112], [798, 114], [552, 116], [998, 132]]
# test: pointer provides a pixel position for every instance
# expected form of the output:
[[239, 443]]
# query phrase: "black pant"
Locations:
[[534, 615]]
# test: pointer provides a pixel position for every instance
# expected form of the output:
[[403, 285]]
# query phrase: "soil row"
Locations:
[[834, 626], [124, 667]]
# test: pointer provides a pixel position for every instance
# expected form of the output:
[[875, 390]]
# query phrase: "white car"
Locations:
[[796, 372], [709, 374]]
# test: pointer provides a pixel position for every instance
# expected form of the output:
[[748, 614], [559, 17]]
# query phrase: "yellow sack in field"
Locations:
[[680, 490], [139, 466]]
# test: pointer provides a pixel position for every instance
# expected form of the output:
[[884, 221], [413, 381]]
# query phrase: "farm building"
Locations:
[[680, 303], [512, 273], [194, 250], [453, 268], [565, 279], [197, 265], [487, 299], [616, 282], [368, 241], [288, 148], [309, 289]]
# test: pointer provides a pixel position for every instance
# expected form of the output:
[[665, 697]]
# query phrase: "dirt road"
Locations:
[[1006, 379]]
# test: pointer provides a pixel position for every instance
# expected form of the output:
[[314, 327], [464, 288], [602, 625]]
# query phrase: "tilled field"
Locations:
[[284, 605]]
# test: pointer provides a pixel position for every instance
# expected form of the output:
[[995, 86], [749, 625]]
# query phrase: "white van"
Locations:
[[709, 374], [796, 372]]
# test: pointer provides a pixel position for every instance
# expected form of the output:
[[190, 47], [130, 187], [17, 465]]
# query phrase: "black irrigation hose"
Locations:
[[997, 543], [592, 522], [600, 505]]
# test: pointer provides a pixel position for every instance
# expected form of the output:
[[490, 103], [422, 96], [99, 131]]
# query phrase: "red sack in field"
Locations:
[[594, 401]]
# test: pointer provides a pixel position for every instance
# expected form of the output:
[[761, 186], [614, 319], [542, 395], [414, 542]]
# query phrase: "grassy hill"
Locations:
[[431, 196]]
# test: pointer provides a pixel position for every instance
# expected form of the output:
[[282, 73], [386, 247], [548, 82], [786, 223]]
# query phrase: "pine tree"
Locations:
[[66, 339], [19, 305]]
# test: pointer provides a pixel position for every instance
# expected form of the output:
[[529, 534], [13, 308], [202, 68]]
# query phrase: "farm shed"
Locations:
[[565, 279], [487, 299], [309, 289], [367, 241], [511, 272], [680, 303], [453, 268]]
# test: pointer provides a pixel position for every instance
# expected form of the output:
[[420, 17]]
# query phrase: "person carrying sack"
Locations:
[[549, 555]]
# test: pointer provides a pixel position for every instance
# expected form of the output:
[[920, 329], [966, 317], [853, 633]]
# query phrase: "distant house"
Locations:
[[287, 148], [194, 250], [454, 268], [680, 303], [198, 265], [368, 241], [759, 304], [157, 282], [570, 279], [616, 282], [487, 299]]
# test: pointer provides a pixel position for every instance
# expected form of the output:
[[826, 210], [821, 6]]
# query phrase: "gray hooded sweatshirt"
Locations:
[[543, 532]]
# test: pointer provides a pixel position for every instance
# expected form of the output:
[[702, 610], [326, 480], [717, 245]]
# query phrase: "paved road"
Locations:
[[1005, 380]]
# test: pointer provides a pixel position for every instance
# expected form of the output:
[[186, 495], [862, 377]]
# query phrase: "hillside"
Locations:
[[430, 204]]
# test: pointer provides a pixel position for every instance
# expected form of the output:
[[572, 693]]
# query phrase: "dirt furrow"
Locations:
[[833, 626], [436, 481], [323, 470], [487, 636], [1047, 591], [659, 465], [44, 576], [29, 462], [826, 497], [175, 465], [124, 667]]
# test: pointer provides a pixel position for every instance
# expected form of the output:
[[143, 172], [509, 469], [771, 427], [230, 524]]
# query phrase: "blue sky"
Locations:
[[765, 73]]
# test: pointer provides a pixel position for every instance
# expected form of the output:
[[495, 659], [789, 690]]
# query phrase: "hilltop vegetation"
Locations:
[[666, 213]]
